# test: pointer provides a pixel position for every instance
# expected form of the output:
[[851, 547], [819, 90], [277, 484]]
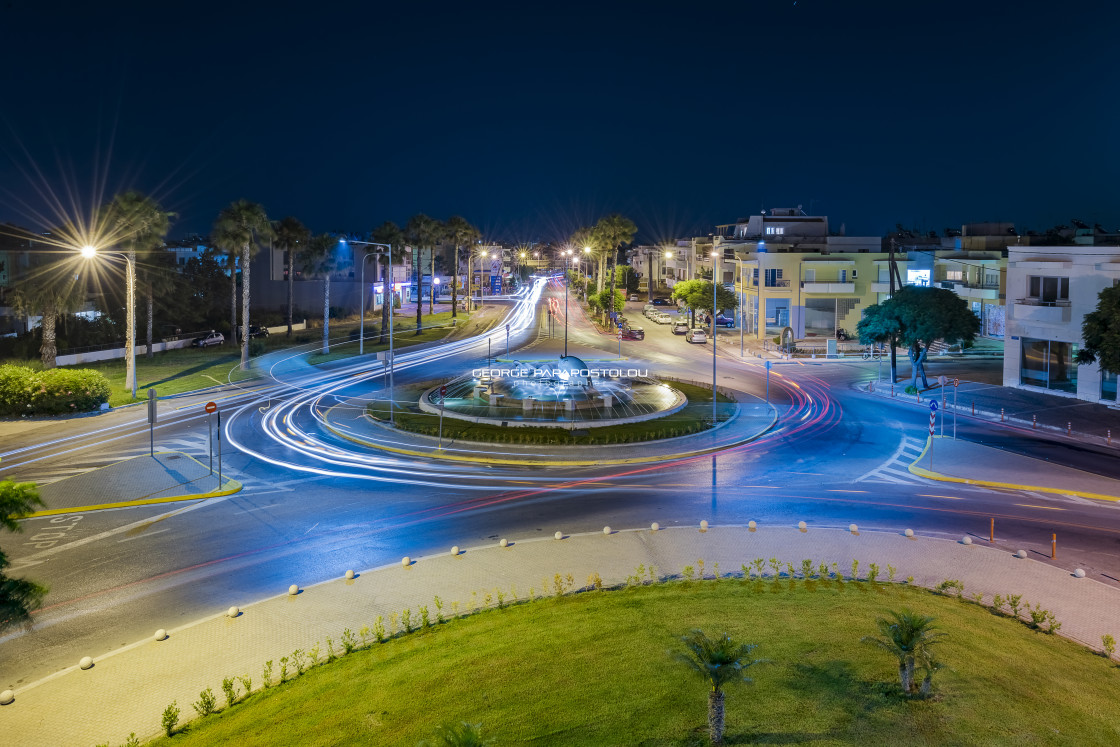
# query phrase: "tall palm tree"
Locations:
[[291, 237], [51, 287], [460, 233], [423, 233], [388, 233], [138, 225], [909, 637], [610, 233], [321, 260], [243, 224], [720, 661], [156, 276]]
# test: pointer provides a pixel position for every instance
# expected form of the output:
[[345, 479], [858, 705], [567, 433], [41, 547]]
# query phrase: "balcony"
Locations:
[[986, 291], [779, 284], [1042, 312], [815, 287]]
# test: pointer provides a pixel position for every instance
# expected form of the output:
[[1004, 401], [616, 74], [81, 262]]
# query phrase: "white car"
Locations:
[[696, 335], [661, 317], [680, 327]]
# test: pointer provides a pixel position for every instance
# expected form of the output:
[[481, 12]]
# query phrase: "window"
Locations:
[[1048, 290], [810, 276], [954, 275], [774, 278], [775, 230], [1048, 364], [843, 276]]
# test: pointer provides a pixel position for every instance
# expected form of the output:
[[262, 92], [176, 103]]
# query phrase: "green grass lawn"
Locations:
[[596, 668], [173, 372], [434, 327], [693, 418]]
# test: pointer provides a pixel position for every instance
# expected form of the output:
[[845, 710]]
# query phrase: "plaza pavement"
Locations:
[[126, 690]]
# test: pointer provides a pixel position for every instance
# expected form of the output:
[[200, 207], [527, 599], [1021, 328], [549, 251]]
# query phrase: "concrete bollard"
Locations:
[[909, 532], [161, 635], [751, 525], [1001, 414], [233, 612], [349, 575], [606, 530], [406, 561], [454, 550], [1034, 421], [654, 526], [853, 528], [1078, 573], [802, 525], [85, 663], [559, 535], [293, 590], [503, 542], [1020, 554], [1069, 428], [704, 525], [966, 540], [7, 697]]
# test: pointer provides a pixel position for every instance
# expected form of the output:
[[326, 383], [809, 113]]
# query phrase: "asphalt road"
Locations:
[[315, 506]]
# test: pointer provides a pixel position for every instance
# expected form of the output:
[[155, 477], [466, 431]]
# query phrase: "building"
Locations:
[[1050, 290]]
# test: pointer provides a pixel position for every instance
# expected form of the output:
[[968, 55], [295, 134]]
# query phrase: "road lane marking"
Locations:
[[950, 497], [144, 534], [1048, 508]]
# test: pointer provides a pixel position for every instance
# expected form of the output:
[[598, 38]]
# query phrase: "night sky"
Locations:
[[532, 118]]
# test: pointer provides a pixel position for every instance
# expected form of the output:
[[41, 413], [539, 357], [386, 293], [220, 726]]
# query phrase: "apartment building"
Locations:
[[1050, 290]]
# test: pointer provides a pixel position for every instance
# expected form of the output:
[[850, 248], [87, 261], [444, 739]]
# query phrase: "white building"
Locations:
[[1050, 289]]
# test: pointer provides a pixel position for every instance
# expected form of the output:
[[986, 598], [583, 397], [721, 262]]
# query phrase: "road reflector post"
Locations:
[[1034, 421], [1001, 414], [992, 531], [1053, 546], [973, 408], [152, 416], [1069, 428], [1110, 437]]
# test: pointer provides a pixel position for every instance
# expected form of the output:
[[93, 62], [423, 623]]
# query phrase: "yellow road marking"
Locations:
[[1048, 508]]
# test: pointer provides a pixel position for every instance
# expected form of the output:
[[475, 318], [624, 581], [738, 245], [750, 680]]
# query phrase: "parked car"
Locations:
[[255, 331], [696, 335], [725, 321], [214, 338], [661, 302], [661, 317], [634, 298], [633, 333], [680, 327]]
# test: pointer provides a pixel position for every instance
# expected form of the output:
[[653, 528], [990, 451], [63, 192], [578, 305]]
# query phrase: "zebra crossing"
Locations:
[[895, 470]]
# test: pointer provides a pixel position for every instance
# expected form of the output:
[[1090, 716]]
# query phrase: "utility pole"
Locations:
[[895, 284]]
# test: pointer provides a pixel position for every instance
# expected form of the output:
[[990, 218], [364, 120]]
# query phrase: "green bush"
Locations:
[[59, 390]]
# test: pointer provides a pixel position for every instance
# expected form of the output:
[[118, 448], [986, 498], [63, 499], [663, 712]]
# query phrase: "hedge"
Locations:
[[59, 390]]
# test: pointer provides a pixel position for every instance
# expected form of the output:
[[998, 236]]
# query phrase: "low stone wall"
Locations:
[[113, 353]]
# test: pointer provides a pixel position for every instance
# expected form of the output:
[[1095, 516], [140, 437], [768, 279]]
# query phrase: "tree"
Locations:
[[156, 276], [583, 239], [243, 225], [139, 225], [720, 661], [909, 637], [18, 597], [320, 260], [610, 233], [697, 296], [1100, 331], [460, 233], [916, 317], [291, 237], [422, 233], [388, 233], [51, 288], [602, 301]]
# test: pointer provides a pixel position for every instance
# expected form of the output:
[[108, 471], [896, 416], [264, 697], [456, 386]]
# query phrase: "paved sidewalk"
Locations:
[[126, 690], [168, 476]]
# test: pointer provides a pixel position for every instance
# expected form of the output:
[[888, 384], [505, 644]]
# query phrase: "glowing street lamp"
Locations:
[[388, 295], [90, 252]]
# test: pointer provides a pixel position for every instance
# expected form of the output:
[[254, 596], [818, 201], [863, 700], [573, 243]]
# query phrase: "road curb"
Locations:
[[916, 470]]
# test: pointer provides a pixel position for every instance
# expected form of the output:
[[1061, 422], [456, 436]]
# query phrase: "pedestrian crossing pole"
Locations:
[[152, 415]]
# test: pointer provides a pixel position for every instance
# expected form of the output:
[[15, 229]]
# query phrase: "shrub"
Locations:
[[266, 675], [872, 572], [1108, 645], [170, 718], [53, 392], [206, 701], [256, 347], [349, 643], [806, 569], [229, 687], [247, 683]]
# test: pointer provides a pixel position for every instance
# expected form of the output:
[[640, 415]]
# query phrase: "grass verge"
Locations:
[[597, 668], [693, 418]]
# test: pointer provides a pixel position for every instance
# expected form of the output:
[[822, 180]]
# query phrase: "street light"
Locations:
[[89, 252], [481, 286], [387, 296]]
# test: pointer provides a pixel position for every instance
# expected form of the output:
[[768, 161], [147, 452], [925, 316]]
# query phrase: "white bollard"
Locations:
[[85, 663], [606, 530], [559, 535], [503, 542], [1078, 573], [7, 697], [654, 526], [752, 526], [853, 528], [349, 575], [704, 525], [293, 590], [233, 612], [801, 525], [909, 532], [966, 541], [406, 561], [1020, 553], [455, 550], [161, 635]]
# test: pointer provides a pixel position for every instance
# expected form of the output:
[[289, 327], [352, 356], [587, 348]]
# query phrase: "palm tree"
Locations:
[[291, 236], [320, 259], [388, 233], [610, 233], [18, 597], [52, 287], [460, 233], [720, 661], [908, 637], [423, 233], [581, 239], [139, 225], [156, 275], [243, 224]]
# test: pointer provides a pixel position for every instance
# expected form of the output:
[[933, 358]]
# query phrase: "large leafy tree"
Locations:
[[243, 225], [722, 662], [291, 237], [1100, 331], [422, 233], [697, 296], [909, 637], [460, 234], [52, 286], [917, 317], [320, 259], [388, 233], [18, 597]]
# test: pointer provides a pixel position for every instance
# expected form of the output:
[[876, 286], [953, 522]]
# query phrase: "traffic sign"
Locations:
[[507, 329], [956, 382], [942, 380], [932, 407], [767, 365], [211, 407], [931, 419], [443, 391]]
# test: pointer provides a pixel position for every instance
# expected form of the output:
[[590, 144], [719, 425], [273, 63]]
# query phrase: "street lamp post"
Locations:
[[387, 296], [89, 252]]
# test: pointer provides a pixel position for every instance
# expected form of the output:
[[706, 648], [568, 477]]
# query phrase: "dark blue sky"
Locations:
[[530, 118]]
